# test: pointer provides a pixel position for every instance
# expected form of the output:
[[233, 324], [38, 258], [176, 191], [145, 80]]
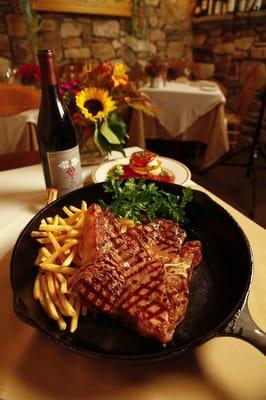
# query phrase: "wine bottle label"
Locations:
[[65, 169]]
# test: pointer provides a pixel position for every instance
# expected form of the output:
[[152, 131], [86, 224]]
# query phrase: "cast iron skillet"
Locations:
[[218, 290]]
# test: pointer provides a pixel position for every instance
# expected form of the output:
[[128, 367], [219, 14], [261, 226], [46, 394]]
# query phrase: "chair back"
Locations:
[[16, 98], [252, 83]]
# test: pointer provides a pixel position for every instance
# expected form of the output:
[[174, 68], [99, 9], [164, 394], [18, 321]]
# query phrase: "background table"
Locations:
[[33, 368], [186, 112]]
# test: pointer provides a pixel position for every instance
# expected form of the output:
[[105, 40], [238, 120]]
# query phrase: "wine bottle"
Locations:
[[250, 5], [197, 9], [56, 133], [204, 7], [224, 6], [210, 7], [263, 5], [242, 6], [231, 6], [257, 5], [218, 7]]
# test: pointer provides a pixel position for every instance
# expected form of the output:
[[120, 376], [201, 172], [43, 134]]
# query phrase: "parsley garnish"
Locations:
[[141, 201]]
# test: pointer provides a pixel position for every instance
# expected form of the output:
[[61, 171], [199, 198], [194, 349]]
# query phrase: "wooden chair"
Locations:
[[14, 99], [254, 89], [235, 117]]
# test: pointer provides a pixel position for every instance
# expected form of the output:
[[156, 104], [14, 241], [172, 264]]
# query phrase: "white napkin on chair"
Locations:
[[11, 129]]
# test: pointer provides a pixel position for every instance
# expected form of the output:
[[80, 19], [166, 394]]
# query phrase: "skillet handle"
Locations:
[[243, 326]]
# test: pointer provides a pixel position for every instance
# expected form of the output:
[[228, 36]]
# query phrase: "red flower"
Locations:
[[153, 69], [29, 74]]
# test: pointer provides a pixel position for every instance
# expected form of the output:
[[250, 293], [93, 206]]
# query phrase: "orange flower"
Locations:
[[119, 76]]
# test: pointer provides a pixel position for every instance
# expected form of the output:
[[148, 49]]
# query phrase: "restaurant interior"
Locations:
[[195, 75], [208, 46]]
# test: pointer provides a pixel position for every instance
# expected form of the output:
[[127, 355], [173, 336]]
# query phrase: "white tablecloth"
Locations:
[[12, 128], [182, 104]]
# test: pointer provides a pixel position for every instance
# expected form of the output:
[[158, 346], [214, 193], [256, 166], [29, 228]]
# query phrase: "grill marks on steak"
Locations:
[[140, 276]]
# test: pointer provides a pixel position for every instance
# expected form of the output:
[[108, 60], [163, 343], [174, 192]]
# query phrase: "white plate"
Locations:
[[181, 172]]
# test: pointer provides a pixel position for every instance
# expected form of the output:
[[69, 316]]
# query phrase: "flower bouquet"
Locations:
[[154, 71], [28, 74], [98, 100]]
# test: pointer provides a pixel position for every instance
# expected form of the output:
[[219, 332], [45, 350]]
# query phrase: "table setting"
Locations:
[[200, 363], [187, 111], [135, 283], [179, 110], [191, 99]]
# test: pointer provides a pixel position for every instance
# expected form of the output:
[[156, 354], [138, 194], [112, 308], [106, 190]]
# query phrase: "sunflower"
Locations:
[[94, 103], [119, 76]]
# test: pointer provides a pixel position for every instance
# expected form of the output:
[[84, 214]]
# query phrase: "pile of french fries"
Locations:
[[60, 251]]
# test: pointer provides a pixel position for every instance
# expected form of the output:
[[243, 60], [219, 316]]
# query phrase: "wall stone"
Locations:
[[69, 29], [72, 42], [101, 38], [15, 26], [4, 45], [234, 48], [103, 51], [244, 43], [106, 28], [87, 34], [77, 54], [224, 48], [156, 35], [175, 50], [48, 25]]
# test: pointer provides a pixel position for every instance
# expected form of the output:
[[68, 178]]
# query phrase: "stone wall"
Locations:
[[230, 44], [234, 44], [76, 37]]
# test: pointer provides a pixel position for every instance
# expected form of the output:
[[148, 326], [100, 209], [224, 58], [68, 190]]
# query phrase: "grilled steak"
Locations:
[[140, 276]]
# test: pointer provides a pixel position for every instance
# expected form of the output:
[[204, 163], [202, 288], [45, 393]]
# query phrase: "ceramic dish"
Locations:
[[181, 172]]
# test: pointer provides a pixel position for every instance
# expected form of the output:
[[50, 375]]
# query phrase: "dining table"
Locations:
[[185, 111], [33, 367]]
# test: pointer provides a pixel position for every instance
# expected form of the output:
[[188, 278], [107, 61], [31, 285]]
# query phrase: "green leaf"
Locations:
[[118, 126], [119, 132], [142, 201], [96, 140], [109, 134]]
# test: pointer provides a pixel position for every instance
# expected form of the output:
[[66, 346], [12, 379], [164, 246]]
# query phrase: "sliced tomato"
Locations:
[[142, 157]]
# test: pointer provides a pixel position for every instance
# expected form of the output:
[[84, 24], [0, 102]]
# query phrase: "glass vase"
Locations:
[[155, 82], [89, 153]]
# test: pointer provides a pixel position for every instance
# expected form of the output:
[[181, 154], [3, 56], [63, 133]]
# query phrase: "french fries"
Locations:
[[58, 255], [56, 260]]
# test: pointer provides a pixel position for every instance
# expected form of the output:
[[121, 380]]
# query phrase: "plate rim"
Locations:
[[179, 163]]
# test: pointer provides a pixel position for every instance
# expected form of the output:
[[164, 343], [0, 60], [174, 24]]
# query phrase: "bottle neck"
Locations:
[[47, 68]]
